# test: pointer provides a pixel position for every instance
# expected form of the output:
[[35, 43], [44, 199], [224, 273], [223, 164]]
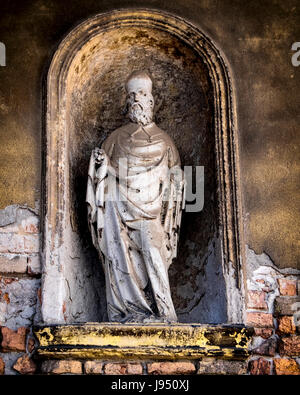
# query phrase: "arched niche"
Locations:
[[194, 104]]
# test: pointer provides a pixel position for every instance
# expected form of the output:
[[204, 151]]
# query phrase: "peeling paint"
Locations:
[[135, 341]]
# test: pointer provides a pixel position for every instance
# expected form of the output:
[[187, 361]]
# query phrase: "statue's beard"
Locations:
[[140, 112]]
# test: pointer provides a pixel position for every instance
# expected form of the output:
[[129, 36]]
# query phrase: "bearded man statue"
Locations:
[[135, 197]]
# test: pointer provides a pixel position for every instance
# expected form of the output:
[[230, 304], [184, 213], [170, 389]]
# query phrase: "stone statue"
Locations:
[[135, 196]]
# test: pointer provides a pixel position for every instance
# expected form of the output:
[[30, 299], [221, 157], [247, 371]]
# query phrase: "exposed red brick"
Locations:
[[31, 228], [30, 225], [260, 367], [61, 367], [268, 347], [290, 346], [25, 365], [257, 300], [39, 294], [9, 280], [2, 366], [260, 320], [93, 367], [287, 287], [286, 325], [171, 368], [14, 340], [266, 285], [221, 366], [265, 333], [285, 366], [135, 368], [123, 368], [286, 305]]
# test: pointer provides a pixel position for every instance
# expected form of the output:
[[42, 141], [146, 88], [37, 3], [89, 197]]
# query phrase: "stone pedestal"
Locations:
[[112, 341]]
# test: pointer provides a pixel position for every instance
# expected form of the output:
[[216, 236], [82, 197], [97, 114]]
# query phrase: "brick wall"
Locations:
[[20, 273], [272, 297], [272, 310]]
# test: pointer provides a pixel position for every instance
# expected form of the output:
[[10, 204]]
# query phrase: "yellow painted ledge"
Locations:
[[144, 342]]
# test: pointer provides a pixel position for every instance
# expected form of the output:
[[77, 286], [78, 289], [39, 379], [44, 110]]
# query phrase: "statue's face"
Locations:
[[140, 102]]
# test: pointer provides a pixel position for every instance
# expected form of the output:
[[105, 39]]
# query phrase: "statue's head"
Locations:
[[139, 100]]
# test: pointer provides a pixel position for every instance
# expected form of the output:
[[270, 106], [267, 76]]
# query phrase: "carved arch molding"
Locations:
[[70, 287]]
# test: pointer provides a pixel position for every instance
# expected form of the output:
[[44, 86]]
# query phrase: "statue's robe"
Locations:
[[135, 225]]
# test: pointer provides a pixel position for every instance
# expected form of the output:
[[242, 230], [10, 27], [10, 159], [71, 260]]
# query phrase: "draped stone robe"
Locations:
[[134, 214]]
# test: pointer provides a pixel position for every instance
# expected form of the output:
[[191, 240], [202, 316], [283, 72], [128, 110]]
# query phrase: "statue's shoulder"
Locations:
[[124, 129], [169, 142], [111, 138], [156, 130], [127, 128]]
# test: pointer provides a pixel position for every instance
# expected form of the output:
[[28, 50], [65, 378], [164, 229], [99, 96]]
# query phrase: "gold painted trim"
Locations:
[[146, 342]]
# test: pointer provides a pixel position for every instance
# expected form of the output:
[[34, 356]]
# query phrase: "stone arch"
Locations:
[[70, 285]]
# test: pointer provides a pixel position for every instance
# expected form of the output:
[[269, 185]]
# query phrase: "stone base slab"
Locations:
[[113, 341]]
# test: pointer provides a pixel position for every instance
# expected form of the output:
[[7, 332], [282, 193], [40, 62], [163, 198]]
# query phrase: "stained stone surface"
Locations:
[[9, 360], [184, 102], [21, 307], [256, 39]]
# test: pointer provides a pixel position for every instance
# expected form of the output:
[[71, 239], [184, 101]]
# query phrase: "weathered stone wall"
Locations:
[[257, 47], [273, 309], [20, 272], [273, 305], [256, 38]]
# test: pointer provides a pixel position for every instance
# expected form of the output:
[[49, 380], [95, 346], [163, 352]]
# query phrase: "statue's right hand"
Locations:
[[99, 155]]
